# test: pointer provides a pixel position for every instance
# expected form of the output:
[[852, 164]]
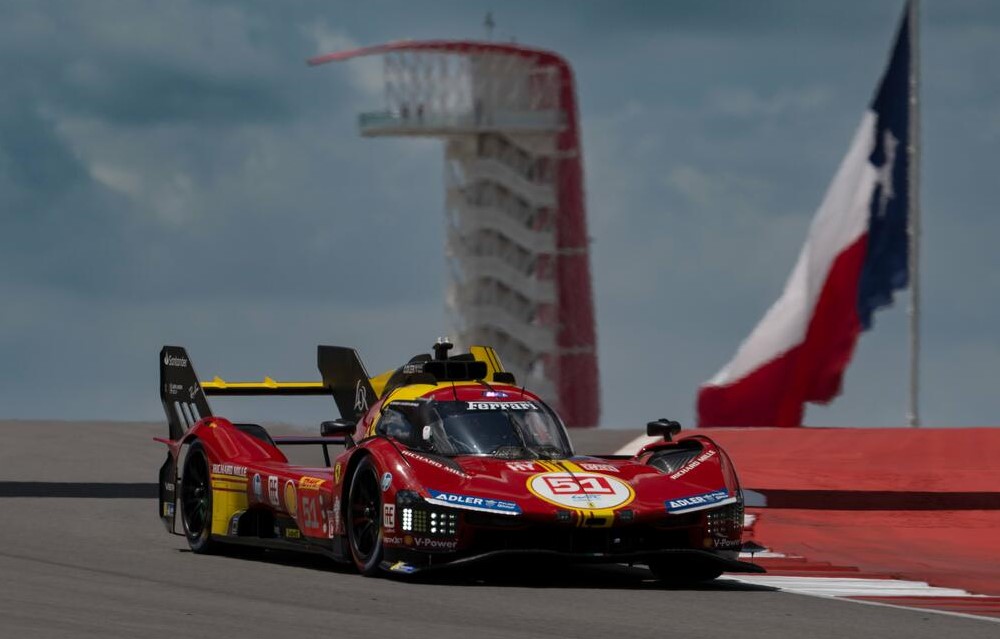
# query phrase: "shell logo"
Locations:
[[291, 498]]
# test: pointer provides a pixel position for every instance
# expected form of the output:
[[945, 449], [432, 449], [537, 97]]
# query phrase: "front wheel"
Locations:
[[196, 501], [364, 511]]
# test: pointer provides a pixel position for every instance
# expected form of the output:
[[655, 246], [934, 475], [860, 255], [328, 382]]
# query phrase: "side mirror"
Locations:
[[665, 427], [337, 427]]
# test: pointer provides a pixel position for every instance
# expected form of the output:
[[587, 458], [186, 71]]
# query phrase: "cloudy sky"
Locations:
[[173, 172]]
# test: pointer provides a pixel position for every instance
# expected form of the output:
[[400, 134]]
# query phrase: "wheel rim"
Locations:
[[364, 514], [195, 496]]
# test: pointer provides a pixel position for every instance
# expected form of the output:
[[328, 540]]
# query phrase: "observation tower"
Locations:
[[517, 244]]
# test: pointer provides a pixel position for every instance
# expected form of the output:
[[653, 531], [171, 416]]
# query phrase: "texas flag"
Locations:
[[854, 258]]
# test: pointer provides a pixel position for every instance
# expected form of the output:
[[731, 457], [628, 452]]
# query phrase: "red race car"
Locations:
[[443, 461]]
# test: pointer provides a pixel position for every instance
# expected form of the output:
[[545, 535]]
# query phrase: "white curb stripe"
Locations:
[[848, 587]]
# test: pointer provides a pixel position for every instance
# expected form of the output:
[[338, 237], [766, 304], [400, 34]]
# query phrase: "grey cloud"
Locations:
[[150, 92], [173, 172]]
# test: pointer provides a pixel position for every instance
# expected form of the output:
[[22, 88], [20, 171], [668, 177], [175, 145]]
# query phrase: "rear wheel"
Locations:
[[196, 501], [364, 512]]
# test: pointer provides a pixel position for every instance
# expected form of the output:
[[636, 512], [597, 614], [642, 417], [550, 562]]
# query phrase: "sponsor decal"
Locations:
[[292, 533], [335, 526], [695, 502], [474, 503], [234, 525], [310, 512], [386, 481], [168, 486], [173, 389], [360, 398], [693, 464], [490, 393], [522, 465], [581, 490], [311, 483], [193, 390], [502, 406], [338, 472], [423, 543], [272, 490], [229, 469], [389, 516], [291, 498], [170, 360], [728, 544], [599, 468], [433, 462], [405, 403], [432, 544], [402, 566], [168, 509], [258, 489]]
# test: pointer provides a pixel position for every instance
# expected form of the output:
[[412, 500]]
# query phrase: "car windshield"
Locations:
[[511, 430]]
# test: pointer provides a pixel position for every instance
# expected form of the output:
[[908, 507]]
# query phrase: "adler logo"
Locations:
[[168, 360]]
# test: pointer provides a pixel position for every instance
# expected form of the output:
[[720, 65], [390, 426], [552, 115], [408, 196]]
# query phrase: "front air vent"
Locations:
[[673, 459]]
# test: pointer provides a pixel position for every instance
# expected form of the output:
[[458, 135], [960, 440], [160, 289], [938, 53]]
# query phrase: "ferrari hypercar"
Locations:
[[443, 461]]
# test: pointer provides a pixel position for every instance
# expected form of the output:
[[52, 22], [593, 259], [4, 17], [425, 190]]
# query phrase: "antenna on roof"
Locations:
[[489, 24], [441, 348]]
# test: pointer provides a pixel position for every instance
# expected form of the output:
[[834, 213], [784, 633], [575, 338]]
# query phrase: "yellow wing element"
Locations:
[[268, 386]]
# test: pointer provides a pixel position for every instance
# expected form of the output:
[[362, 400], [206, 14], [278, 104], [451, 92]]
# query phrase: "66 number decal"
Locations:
[[581, 490]]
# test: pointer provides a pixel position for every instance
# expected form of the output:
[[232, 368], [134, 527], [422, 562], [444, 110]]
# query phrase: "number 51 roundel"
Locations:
[[581, 490]]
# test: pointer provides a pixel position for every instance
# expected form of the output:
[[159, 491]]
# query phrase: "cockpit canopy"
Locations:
[[511, 429]]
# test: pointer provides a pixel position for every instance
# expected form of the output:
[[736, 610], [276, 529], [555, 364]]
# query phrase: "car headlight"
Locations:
[[726, 522], [417, 516]]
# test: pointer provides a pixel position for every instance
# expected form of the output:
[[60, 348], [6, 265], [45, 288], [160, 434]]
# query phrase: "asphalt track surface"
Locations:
[[104, 567]]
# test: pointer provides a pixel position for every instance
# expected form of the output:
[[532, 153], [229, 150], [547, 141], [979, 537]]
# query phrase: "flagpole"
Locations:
[[913, 229]]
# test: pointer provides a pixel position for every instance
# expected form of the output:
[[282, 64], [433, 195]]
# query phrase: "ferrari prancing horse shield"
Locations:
[[581, 490]]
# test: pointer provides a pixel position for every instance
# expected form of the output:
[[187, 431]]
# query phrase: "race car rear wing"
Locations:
[[185, 401], [343, 376], [182, 396]]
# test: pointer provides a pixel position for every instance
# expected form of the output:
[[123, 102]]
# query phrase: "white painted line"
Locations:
[[848, 587], [937, 611], [766, 554], [900, 606]]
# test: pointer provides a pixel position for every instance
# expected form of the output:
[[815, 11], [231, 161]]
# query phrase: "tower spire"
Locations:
[[488, 24]]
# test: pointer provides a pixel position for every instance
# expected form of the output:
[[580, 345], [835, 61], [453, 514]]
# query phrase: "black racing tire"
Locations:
[[681, 574], [196, 501], [364, 518]]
